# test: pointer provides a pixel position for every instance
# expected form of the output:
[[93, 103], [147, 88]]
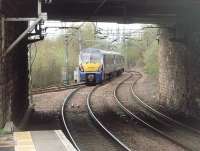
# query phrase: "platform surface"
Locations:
[[6, 142], [42, 141]]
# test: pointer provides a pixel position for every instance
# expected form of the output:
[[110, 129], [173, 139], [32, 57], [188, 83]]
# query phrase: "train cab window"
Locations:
[[95, 59], [90, 58]]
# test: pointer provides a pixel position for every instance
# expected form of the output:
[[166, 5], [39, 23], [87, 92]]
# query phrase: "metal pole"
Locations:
[[125, 48], [80, 39], [39, 7], [23, 35], [67, 61], [2, 34]]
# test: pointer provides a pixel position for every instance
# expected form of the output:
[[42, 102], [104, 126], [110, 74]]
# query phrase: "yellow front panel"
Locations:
[[91, 67]]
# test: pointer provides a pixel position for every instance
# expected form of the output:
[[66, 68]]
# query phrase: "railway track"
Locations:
[[77, 135], [55, 88], [160, 119], [78, 138], [97, 121], [158, 113]]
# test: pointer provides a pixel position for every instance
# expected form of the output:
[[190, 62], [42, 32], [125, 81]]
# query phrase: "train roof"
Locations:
[[95, 50]]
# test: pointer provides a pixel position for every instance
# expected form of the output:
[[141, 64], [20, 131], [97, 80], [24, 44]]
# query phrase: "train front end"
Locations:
[[91, 67]]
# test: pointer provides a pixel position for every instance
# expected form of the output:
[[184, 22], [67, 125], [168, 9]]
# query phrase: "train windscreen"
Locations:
[[90, 58]]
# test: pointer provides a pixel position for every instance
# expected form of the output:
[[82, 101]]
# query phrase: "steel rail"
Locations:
[[156, 112], [132, 115], [99, 123], [54, 89], [66, 101]]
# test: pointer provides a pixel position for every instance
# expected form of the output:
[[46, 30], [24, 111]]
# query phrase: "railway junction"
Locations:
[[179, 82]]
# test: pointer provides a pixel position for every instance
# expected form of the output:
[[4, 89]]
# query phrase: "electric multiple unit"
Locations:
[[97, 65]]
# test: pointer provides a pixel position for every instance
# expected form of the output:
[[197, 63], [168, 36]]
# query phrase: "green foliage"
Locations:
[[2, 132], [88, 35], [150, 54], [151, 60], [102, 44], [47, 66], [54, 56], [132, 52], [142, 50]]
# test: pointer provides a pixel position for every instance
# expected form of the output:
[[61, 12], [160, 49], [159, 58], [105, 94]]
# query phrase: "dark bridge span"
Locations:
[[104, 10], [179, 45], [118, 10]]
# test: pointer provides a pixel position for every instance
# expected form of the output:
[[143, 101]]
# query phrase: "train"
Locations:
[[96, 65]]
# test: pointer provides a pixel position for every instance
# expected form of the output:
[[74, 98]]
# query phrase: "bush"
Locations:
[[151, 66], [48, 64]]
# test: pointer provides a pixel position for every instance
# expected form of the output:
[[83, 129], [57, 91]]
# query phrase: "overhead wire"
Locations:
[[99, 7]]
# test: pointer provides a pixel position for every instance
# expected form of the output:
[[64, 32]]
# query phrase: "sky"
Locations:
[[112, 27]]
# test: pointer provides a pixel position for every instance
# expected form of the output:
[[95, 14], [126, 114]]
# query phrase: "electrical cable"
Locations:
[[35, 55], [99, 7]]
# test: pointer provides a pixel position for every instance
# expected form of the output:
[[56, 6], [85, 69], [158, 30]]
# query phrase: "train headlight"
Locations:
[[81, 68], [90, 77]]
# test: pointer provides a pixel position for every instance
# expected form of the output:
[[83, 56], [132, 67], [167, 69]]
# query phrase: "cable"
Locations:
[[36, 50], [99, 7]]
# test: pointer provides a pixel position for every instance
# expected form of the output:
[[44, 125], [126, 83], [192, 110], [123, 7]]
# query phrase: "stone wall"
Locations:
[[179, 76], [172, 73], [193, 45]]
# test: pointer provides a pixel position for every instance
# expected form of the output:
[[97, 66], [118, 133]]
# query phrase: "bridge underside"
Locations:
[[179, 60], [125, 11]]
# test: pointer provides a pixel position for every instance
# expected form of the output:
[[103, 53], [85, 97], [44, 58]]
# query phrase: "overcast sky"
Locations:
[[105, 26]]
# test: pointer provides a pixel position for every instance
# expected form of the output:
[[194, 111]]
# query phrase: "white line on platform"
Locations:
[[65, 141]]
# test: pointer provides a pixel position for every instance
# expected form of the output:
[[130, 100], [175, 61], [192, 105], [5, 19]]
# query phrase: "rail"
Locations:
[[132, 115]]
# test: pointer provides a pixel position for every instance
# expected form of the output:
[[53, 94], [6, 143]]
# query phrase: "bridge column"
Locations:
[[192, 41], [17, 72], [14, 76], [179, 76], [4, 99], [172, 73]]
